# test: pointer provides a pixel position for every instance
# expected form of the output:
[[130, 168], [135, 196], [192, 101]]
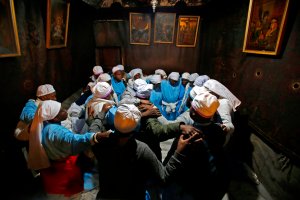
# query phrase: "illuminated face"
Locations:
[[118, 75]]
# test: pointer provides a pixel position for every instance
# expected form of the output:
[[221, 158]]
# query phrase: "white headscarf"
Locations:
[[196, 90], [155, 79], [143, 90], [174, 76], [200, 80], [193, 77], [218, 88], [127, 118], [116, 68], [161, 72], [37, 157], [185, 75], [45, 89], [97, 70], [101, 90], [205, 104], [121, 67], [135, 72], [104, 77]]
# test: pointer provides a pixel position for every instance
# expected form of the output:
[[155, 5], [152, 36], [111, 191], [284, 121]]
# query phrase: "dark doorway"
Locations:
[[108, 57]]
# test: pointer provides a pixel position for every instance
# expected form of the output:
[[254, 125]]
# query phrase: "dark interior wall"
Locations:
[[264, 84], [147, 57], [66, 68]]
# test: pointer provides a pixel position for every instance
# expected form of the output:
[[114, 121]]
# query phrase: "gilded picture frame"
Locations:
[[57, 23], [140, 28], [187, 31], [265, 26], [9, 38], [164, 27]]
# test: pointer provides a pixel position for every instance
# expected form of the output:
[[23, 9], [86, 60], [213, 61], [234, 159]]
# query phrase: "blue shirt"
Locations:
[[118, 87], [28, 111], [59, 142]]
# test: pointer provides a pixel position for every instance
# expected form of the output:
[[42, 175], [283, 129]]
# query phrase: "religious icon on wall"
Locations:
[[187, 31], [265, 26], [9, 39], [57, 23], [164, 27], [140, 28]]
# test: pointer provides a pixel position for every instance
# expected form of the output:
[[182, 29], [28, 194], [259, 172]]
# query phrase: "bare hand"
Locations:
[[144, 107], [188, 129], [106, 107], [151, 112], [102, 135], [186, 140]]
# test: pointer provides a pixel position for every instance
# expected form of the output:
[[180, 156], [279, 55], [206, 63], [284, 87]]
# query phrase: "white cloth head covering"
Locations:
[[138, 82], [97, 70], [101, 90], [142, 88], [205, 104], [218, 88], [136, 71], [174, 76], [185, 75], [193, 77], [104, 77], [200, 80], [127, 118], [116, 68], [45, 89], [161, 72], [37, 157], [155, 79], [196, 90], [121, 67]]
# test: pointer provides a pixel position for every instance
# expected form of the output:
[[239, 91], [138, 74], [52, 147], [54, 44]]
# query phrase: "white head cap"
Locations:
[[104, 77], [45, 89], [155, 79], [161, 72], [116, 68], [193, 77], [196, 90], [101, 90], [127, 118], [174, 76], [97, 70], [200, 80], [185, 75], [205, 104]]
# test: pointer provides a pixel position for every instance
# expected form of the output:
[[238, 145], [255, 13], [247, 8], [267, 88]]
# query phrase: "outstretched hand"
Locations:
[[187, 139]]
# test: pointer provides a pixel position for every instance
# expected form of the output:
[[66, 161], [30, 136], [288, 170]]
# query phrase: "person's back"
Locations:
[[127, 165]]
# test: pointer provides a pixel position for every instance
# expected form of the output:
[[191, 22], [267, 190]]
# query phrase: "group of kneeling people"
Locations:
[[123, 134]]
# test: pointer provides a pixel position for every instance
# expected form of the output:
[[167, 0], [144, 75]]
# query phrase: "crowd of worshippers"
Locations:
[[116, 127]]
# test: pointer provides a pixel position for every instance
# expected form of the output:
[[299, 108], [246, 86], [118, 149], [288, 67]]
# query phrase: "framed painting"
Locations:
[[140, 28], [9, 39], [57, 23], [265, 26], [187, 31], [164, 27]]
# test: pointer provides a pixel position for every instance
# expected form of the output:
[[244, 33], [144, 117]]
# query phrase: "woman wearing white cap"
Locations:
[[117, 81], [44, 92], [172, 94], [53, 150], [126, 165]]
